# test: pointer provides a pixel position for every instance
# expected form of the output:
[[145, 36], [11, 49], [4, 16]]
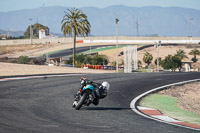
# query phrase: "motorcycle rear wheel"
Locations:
[[81, 101]]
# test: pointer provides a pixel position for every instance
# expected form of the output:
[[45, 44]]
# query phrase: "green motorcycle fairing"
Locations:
[[88, 87]]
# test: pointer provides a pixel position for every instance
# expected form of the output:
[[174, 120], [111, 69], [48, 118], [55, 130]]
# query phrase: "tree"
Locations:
[[181, 54], [99, 60], [171, 62], [88, 60], [147, 58], [194, 52], [75, 23], [159, 61], [81, 59], [36, 27]]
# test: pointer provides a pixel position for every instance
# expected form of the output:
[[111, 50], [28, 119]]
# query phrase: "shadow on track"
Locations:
[[105, 108]]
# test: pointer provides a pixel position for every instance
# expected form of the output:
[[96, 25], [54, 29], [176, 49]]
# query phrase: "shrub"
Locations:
[[159, 61], [113, 63], [38, 61], [99, 60], [139, 63], [23, 60], [81, 59]]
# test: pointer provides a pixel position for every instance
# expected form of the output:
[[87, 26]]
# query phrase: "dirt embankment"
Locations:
[[188, 96]]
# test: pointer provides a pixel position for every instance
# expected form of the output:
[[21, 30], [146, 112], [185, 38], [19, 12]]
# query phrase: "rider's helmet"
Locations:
[[106, 85]]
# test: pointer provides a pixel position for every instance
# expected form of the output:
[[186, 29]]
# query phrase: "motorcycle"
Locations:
[[85, 96]]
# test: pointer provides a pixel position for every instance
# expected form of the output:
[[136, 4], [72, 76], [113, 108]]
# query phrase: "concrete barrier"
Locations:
[[36, 41], [144, 41], [104, 40]]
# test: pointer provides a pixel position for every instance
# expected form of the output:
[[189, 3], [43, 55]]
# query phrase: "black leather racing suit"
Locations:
[[98, 93]]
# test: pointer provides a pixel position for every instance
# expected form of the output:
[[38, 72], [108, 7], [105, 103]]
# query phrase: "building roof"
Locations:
[[41, 30]]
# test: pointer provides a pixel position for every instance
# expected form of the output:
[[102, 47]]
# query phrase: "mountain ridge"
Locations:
[[153, 20]]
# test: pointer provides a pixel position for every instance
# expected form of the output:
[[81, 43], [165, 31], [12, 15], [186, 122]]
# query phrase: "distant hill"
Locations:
[[12, 33], [168, 21]]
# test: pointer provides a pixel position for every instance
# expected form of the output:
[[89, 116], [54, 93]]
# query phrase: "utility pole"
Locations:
[[157, 45], [8, 35], [31, 31], [191, 19], [137, 27], [90, 44], [116, 21]]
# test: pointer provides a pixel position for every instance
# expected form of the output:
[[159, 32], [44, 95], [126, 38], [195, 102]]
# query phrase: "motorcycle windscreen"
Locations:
[[89, 87]]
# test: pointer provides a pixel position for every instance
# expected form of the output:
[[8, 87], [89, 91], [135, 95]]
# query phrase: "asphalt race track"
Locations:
[[68, 52], [44, 105]]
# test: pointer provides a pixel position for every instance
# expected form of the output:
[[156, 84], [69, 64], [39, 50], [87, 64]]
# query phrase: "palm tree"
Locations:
[[181, 54], [194, 52], [75, 23]]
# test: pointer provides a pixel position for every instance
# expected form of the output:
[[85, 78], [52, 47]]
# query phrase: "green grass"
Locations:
[[167, 105], [143, 70], [94, 50]]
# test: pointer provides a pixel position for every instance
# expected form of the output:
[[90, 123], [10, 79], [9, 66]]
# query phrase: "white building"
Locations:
[[42, 34]]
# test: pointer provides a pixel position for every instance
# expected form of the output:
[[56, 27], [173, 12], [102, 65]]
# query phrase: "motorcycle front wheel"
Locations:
[[81, 101]]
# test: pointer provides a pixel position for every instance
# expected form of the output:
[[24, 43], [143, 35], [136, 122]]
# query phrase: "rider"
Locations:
[[100, 90]]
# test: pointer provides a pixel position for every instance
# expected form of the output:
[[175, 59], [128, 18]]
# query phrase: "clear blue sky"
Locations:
[[11, 5]]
